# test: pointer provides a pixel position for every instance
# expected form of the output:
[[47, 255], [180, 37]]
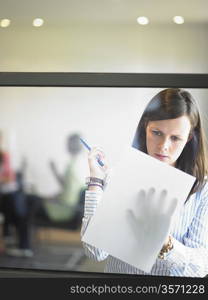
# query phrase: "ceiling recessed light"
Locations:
[[142, 20], [178, 19], [5, 22], [38, 22]]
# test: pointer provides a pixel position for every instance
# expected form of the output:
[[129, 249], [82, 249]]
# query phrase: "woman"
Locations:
[[169, 130]]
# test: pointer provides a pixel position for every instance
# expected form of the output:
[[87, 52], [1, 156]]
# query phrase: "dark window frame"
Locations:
[[90, 79]]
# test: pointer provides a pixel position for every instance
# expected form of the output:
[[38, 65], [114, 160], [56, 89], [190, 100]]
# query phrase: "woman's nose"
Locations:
[[165, 144]]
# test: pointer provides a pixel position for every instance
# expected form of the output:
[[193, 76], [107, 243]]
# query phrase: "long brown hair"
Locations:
[[173, 103]]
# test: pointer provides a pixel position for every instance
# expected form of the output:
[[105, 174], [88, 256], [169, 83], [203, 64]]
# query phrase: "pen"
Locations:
[[89, 148]]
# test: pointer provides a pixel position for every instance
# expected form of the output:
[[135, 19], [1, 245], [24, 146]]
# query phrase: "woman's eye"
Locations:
[[175, 138], [155, 132]]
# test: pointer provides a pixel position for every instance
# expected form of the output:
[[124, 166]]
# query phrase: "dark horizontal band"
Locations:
[[96, 184], [94, 179], [77, 79]]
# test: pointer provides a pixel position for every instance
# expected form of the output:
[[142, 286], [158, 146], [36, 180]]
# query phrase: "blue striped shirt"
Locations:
[[189, 256]]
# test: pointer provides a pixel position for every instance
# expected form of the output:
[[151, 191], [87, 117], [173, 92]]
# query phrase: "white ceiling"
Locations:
[[103, 11]]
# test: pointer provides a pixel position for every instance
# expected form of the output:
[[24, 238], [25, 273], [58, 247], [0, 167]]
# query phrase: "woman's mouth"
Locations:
[[161, 156]]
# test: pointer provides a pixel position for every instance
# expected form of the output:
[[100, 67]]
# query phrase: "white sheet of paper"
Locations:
[[109, 228]]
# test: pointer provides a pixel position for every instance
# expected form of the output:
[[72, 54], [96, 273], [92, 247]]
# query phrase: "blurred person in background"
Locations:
[[13, 207], [68, 205]]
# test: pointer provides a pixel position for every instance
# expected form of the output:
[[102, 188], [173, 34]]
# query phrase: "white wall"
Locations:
[[124, 48]]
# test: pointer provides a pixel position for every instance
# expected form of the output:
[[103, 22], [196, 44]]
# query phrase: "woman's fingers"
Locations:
[[95, 155], [167, 205], [156, 203], [163, 200]]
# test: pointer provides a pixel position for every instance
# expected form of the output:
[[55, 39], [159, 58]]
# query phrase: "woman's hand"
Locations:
[[96, 170], [151, 220]]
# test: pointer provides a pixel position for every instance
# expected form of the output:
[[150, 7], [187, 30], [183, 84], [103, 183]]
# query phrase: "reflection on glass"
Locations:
[[41, 129]]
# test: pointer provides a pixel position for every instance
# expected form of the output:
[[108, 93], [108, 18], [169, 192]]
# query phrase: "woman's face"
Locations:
[[166, 139]]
